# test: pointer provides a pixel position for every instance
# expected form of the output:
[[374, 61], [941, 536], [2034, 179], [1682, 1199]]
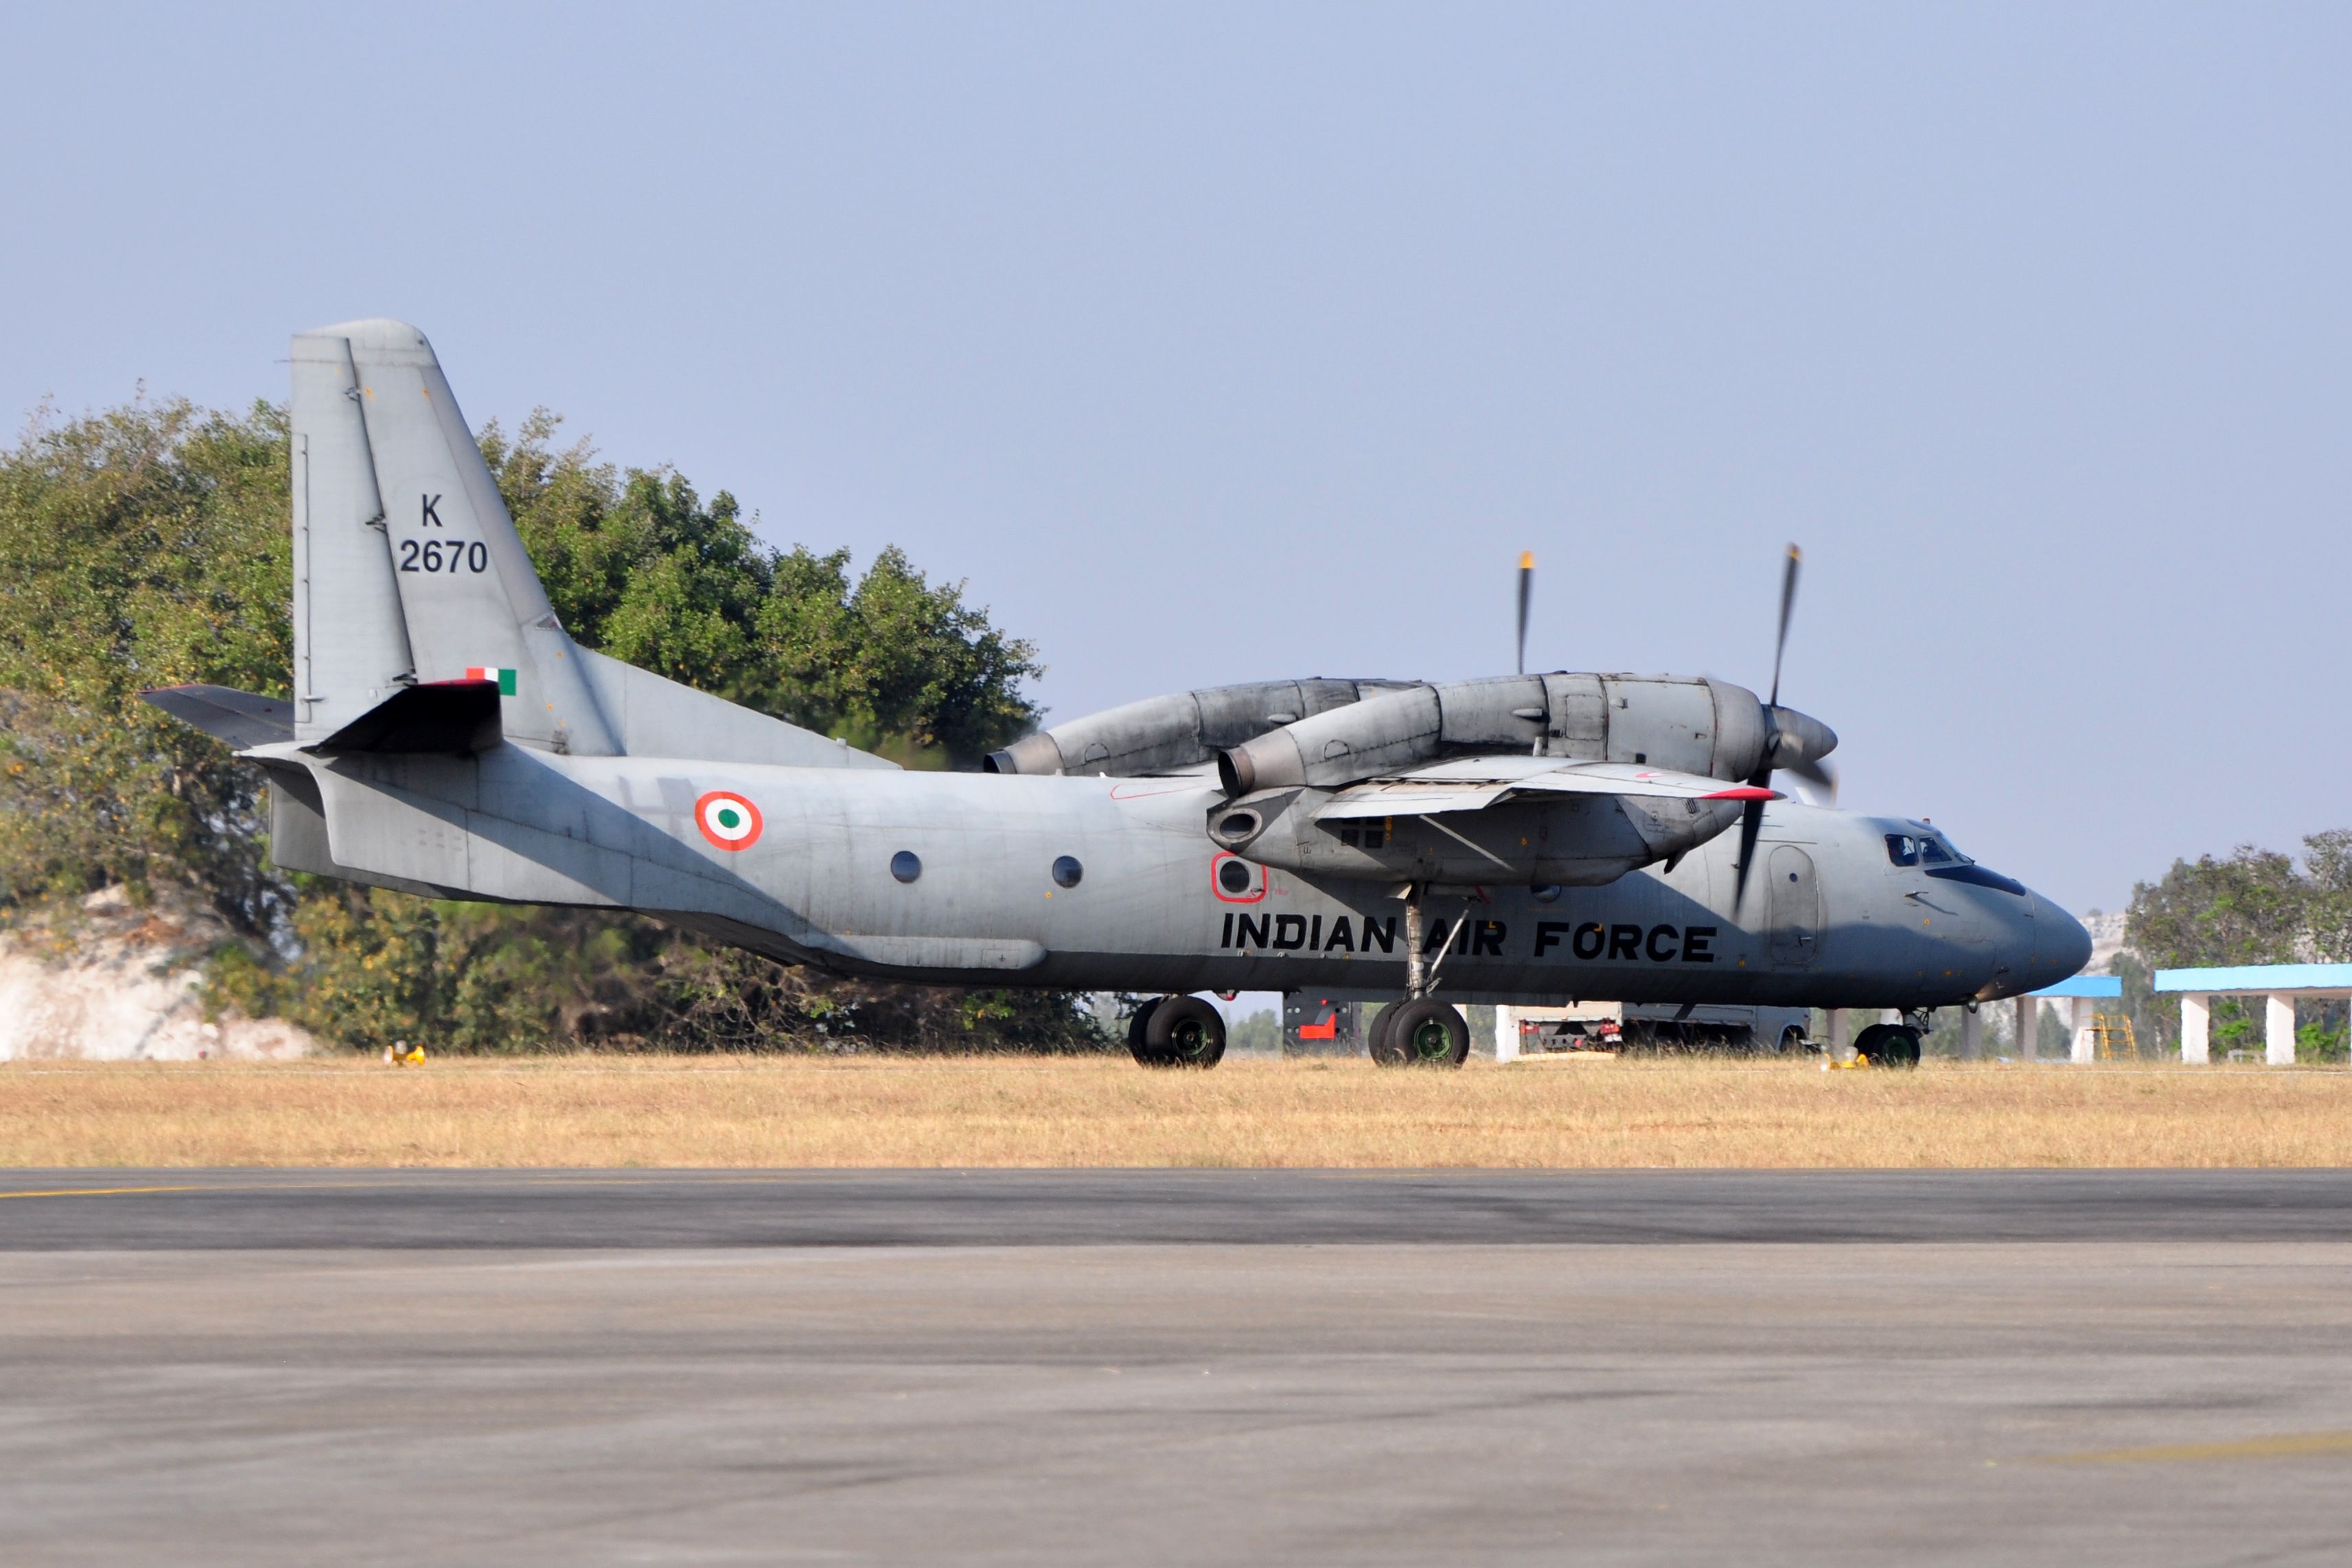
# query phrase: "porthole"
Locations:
[[906, 865], [1066, 870], [1233, 876]]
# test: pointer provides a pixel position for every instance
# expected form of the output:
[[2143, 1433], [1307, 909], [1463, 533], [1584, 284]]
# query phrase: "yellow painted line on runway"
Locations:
[[2291, 1446], [95, 1192]]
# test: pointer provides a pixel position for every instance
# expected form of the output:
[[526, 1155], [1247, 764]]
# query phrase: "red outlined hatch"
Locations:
[[1234, 880], [728, 820]]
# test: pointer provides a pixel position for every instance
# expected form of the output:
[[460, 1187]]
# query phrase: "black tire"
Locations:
[[1424, 1033], [1183, 1032], [1376, 1034], [1888, 1046], [1136, 1028], [1792, 1040]]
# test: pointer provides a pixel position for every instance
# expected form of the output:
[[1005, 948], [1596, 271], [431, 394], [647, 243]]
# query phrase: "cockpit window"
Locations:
[[1928, 848]]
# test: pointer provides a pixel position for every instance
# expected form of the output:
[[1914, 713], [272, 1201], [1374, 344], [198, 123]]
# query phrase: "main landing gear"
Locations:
[[1419, 1031], [1422, 1032], [1177, 1032]]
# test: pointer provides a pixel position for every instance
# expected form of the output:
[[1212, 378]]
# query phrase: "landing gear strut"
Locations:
[[1420, 1031]]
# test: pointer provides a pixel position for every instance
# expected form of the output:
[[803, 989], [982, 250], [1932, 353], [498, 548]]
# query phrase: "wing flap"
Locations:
[[1401, 799], [1456, 786]]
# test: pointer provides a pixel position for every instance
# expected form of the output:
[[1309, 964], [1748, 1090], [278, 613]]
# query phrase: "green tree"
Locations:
[[140, 547], [2249, 908]]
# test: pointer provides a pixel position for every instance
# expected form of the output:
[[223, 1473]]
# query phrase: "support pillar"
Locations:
[[1841, 1037], [2196, 1029], [1972, 1034], [1506, 1034], [2085, 1047], [2278, 1031], [2029, 1028]]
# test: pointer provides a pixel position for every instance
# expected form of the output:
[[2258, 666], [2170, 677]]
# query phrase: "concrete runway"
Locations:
[[1197, 1367]]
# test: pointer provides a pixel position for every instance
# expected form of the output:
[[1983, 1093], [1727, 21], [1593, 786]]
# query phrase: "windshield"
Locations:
[[1923, 847]]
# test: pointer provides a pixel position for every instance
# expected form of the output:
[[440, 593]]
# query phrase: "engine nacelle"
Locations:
[[1576, 840], [1179, 730], [1707, 727]]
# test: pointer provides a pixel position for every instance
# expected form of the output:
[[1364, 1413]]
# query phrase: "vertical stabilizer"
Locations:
[[467, 598], [350, 642]]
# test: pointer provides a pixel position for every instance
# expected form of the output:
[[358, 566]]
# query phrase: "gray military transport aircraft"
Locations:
[[1528, 839]]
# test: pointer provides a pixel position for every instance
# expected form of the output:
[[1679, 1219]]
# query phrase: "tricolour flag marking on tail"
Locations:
[[505, 678]]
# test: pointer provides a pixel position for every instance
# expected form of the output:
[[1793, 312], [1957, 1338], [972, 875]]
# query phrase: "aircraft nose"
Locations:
[[2061, 946]]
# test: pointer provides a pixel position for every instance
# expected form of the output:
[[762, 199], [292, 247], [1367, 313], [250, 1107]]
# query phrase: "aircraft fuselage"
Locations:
[[951, 877]]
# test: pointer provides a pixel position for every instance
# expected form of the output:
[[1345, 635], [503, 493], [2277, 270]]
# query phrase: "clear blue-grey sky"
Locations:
[[1212, 343]]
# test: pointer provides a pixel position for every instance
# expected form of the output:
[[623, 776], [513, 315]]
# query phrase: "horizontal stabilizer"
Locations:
[[436, 716], [240, 717]]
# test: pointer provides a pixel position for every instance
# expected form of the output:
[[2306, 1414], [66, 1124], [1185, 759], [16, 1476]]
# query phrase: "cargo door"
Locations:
[[1796, 904]]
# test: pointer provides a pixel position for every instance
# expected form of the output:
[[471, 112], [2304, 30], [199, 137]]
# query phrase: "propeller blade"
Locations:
[[1788, 603], [1751, 823], [1526, 585], [1813, 771]]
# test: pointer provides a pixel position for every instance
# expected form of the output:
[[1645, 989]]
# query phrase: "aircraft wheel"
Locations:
[[1135, 1026], [1421, 1034], [1888, 1046], [1792, 1040], [1183, 1032]]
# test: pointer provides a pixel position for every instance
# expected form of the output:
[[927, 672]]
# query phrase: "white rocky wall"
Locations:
[[124, 987]]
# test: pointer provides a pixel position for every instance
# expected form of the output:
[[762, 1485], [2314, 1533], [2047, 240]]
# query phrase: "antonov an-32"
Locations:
[[1527, 838]]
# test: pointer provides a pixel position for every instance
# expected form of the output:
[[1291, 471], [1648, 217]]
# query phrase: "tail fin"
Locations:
[[407, 568], [408, 573]]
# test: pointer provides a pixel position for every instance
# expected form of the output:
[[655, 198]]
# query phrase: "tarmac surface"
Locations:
[[1197, 1367]]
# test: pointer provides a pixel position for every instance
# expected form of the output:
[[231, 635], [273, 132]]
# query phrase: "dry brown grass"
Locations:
[[698, 1112]]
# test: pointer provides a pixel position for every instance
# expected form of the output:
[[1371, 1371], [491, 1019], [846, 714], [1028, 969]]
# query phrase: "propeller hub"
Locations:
[[1791, 738]]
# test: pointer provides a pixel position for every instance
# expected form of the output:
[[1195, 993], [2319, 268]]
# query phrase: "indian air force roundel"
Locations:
[[728, 820]]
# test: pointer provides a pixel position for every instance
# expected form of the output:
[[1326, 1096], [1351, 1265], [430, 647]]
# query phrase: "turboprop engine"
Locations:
[[1566, 779], [1710, 728], [1179, 730]]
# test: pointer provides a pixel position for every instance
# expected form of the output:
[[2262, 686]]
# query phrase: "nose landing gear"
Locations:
[[1888, 1046]]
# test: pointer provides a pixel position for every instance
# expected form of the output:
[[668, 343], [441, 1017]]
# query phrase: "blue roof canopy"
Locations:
[[2099, 985], [2258, 977]]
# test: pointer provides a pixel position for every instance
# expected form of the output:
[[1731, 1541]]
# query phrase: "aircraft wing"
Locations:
[[1473, 784]]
